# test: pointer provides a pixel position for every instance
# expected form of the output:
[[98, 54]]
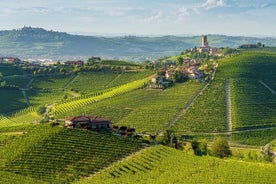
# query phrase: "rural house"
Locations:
[[87, 122]]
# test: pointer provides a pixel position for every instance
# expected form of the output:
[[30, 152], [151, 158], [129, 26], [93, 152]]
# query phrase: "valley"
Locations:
[[238, 104]]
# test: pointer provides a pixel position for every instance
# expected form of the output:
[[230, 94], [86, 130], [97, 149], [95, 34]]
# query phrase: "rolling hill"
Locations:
[[238, 104], [31, 42]]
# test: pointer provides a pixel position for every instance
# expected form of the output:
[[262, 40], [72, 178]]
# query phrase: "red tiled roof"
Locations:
[[92, 119]]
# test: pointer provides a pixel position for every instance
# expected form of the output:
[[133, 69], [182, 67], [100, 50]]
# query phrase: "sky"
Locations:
[[143, 17]]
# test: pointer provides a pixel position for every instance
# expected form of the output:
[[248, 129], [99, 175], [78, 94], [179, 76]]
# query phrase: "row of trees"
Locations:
[[220, 147]]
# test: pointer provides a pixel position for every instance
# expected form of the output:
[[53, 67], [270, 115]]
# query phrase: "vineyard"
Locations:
[[9, 70], [80, 102], [60, 155], [253, 104], [51, 82], [208, 113], [160, 109], [11, 100], [88, 83], [35, 152], [25, 116], [161, 164]]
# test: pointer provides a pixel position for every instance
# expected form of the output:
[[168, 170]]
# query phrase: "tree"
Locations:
[[93, 60], [221, 148], [179, 60], [170, 139], [267, 153], [177, 76], [199, 147], [1, 76]]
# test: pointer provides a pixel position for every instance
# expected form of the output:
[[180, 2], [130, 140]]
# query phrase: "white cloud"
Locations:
[[182, 13], [154, 18], [209, 4]]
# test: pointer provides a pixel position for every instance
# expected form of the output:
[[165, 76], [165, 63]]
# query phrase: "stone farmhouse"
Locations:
[[87, 122]]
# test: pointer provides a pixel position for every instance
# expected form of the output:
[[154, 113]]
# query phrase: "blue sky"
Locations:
[[143, 17]]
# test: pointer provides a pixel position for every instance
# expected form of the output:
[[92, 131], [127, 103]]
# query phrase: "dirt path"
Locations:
[[23, 90], [228, 105], [30, 83], [191, 102], [70, 82], [12, 133], [264, 84], [116, 78]]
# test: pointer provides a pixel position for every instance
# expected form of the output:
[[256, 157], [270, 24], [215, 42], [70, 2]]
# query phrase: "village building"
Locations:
[[74, 63], [192, 72], [87, 122], [10, 60]]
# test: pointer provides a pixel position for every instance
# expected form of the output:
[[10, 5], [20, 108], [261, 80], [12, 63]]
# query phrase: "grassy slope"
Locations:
[[165, 165]]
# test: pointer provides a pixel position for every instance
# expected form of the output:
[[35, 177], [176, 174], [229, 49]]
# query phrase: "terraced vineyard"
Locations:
[[161, 164], [59, 155]]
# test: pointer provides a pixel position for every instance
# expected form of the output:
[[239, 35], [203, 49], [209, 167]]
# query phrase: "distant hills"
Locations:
[[29, 42]]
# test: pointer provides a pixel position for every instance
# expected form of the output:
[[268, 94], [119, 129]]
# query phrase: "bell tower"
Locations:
[[204, 41]]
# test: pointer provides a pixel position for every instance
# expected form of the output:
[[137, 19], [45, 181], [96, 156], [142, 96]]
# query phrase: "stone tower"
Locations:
[[204, 41]]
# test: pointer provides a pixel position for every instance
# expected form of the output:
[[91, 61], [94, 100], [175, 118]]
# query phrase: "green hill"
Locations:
[[37, 42], [239, 104]]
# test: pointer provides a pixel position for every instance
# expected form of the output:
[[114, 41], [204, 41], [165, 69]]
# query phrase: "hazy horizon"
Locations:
[[155, 18]]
